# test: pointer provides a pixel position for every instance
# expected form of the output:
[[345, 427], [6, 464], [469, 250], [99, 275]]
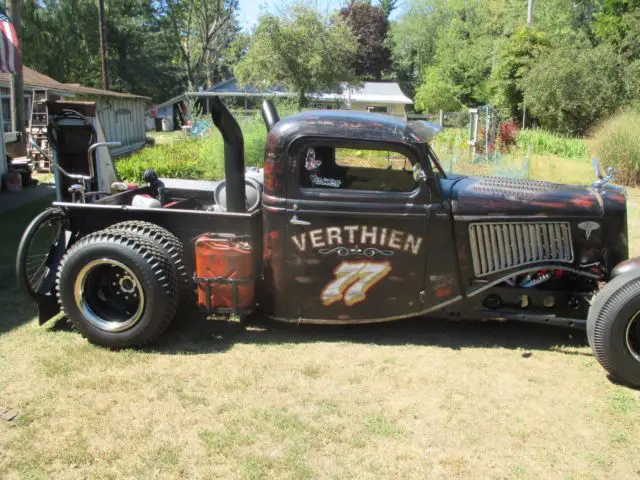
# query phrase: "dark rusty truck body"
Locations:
[[343, 244]]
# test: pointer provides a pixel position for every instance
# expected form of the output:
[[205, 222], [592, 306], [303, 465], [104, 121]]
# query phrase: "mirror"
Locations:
[[418, 173]]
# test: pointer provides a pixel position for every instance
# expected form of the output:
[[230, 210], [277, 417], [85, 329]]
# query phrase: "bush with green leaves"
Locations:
[[616, 144], [569, 90]]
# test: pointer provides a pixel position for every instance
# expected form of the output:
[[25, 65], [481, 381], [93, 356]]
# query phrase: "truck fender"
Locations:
[[625, 266]]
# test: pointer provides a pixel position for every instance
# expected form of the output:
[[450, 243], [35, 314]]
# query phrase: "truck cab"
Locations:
[[352, 232]]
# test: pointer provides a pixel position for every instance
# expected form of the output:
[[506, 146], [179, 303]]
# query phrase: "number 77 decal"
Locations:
[[353, 280]]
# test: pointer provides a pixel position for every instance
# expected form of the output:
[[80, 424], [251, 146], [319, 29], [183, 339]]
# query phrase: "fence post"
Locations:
[[442, 118]]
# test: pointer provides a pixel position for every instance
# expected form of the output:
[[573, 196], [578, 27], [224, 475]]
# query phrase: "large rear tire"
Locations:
[[35, 252], [119, 289], [613, 328], [166, 240]]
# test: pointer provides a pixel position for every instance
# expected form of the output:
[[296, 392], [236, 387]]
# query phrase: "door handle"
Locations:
[[296, 221]]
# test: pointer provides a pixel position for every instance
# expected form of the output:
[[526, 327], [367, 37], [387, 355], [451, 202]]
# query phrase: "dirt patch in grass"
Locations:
[[421, 398]]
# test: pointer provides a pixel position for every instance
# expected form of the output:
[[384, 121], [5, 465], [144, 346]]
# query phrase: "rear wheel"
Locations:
[[169, 243], [36, 249], [613, 328], [119, 289]]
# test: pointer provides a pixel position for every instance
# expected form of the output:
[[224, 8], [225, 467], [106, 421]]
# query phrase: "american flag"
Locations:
[[9, 47]]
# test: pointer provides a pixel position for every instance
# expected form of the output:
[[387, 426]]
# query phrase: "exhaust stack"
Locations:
[[233, 155], [269, 114]]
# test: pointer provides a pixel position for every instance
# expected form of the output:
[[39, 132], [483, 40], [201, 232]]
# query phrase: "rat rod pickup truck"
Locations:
[[351, 220]]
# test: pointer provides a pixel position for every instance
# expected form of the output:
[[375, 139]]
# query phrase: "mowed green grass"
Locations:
[[412, 399]]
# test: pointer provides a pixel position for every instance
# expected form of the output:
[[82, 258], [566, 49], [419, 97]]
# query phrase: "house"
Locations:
[[122, 115], [379, 97]]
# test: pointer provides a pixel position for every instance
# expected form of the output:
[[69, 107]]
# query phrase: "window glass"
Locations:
[[355, 169], [377, 109]]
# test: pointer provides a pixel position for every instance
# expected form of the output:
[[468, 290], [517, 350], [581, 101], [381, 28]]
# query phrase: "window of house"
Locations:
[[323, 167], [377, 109]]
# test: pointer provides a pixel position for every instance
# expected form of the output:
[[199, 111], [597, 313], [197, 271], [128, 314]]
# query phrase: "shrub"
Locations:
[[508, 135], [547, 143], [569, 90], [616, 144], [194, 159]]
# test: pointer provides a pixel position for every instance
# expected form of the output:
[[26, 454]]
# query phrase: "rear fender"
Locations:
[[46, 297]]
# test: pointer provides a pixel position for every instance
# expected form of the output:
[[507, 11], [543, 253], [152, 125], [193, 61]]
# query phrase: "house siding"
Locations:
[[393, 109]]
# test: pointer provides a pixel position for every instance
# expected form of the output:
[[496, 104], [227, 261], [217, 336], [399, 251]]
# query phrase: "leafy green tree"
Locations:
[[436, 93], [302, 51], [369, 24], [568, 91], [203, 29], [60, 38], [388, 6], [515, 59]]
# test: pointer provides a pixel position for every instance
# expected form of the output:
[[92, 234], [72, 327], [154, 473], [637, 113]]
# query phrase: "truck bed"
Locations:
[[186, 218]]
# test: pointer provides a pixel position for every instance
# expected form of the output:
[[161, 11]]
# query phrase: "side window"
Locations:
[[355, 169]]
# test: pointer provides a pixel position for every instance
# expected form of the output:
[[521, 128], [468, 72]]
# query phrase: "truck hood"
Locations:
[[497, 196]]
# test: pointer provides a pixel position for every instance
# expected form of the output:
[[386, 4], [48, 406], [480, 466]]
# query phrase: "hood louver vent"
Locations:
[[500, 246], [515, 187]]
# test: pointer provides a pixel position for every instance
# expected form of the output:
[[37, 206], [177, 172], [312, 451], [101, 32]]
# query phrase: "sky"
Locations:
[[250, 10]]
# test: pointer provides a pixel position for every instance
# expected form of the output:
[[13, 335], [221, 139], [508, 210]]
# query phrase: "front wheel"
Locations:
[[613, 328], [37, 249]]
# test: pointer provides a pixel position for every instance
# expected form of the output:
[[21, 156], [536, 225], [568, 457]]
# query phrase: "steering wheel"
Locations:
[[252, 189]]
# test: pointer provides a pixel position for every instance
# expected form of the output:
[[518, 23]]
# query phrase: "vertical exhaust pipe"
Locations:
[[269, 114], [233, 155]]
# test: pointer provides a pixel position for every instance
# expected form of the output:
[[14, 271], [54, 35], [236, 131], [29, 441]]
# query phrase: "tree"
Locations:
[[388, 6], [568, 91], [436, 93], [370, 26], [203, 28], [516, 57], [60, 38], [412, 39], [302, 51]]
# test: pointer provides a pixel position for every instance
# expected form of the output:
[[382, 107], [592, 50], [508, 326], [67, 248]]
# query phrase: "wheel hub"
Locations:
[[127, 284], [109, 295], [632, 337]]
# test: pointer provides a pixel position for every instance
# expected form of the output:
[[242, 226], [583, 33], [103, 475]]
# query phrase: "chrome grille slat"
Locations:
[[500, 246]]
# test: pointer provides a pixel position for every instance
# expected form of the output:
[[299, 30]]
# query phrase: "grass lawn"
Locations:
[[163, 138], [411, 399]]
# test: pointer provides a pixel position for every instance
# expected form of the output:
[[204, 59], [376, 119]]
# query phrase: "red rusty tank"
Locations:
[[224, 264]]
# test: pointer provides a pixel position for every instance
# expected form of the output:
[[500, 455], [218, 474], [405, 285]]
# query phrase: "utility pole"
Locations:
[[529, 23], [17, 82], [103, 46], [530, 13]]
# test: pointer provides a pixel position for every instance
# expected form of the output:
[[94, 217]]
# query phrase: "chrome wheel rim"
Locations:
[[109, 295], [632, 337]]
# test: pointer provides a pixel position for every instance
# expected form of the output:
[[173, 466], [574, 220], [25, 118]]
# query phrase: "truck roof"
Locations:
[[346, 124]]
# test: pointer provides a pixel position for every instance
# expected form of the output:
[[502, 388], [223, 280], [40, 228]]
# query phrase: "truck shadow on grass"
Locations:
[[196, 335]]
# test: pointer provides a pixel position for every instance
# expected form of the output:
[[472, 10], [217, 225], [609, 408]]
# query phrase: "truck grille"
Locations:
[[500, 246]]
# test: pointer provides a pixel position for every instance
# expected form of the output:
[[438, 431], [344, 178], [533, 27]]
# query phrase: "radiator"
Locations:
[[500, 246]]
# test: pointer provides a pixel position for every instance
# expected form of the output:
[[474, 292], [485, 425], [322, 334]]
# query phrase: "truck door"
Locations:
[[356, 232]]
